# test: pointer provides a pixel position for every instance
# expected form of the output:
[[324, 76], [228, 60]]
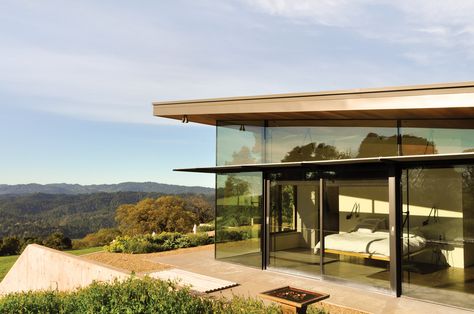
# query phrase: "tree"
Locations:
[[374, 145], [9, 246], [102, 237], [314, 151], [234, 186], [58, 241], [166, 213], [201, 207]]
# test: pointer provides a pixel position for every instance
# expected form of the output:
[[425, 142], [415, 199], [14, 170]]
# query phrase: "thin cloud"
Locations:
[[427, 24]]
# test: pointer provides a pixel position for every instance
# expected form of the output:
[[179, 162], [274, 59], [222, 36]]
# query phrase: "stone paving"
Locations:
[[253, 281]]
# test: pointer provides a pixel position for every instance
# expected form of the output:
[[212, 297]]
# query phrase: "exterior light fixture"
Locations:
[[185, 119]]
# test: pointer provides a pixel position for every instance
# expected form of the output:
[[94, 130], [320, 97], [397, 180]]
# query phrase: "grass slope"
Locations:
[[6, 262]]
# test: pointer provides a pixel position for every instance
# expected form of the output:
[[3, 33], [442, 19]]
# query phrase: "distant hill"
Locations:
[[75, 215], [74, 189]]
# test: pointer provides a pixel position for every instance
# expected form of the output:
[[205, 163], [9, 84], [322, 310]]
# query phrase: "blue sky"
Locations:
[[77, 78]]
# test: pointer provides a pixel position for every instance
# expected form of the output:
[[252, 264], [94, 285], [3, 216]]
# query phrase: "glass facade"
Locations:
[[275, 141], [239, 216], [422, 137], [306, 140], [438, 234], [335, 222], [239, 142]]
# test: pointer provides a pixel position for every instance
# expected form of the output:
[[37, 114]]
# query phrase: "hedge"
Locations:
[[130, 296], [158, 242], [237, 233]]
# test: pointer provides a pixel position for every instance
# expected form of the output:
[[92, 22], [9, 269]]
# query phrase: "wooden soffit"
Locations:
[[438, 101]]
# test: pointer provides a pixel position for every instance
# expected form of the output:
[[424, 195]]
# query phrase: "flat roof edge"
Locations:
[[352, 161], [355, 91]]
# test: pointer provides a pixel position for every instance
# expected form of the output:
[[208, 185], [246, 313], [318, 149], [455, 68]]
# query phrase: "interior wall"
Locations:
[[373, 201], [285, 240], [307, 214]]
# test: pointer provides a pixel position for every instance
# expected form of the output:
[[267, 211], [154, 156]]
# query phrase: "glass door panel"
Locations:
[[438, 234], [355, 226], [239, 219], [294, 220]]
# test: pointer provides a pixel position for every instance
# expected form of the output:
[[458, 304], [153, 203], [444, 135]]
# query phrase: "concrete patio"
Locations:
[[253, 281]]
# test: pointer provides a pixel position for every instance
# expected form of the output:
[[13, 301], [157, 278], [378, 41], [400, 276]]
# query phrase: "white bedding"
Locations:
[[375, 243]]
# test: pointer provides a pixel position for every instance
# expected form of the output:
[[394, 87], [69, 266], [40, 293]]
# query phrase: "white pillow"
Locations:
[[364, 230]]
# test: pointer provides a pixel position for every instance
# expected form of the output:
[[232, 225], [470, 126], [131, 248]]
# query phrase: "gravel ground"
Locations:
[[140, 263]]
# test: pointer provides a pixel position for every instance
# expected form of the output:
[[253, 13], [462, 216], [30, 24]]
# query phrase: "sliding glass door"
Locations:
[[354, 244], [438, 234], [356, 235], [239, 216], [293, 227]]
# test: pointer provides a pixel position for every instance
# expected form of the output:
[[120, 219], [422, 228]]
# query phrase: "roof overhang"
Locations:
[[321, 164], [451, 100]]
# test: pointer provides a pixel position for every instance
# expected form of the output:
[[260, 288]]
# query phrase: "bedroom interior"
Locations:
[[372, 188]]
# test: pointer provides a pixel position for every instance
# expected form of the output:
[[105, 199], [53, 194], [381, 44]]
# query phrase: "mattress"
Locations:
[[374, 243]]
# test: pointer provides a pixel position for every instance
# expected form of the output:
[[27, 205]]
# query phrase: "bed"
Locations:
[[369, 239]]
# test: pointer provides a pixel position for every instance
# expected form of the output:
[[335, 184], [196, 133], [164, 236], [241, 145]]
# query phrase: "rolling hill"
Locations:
[[64, 188]]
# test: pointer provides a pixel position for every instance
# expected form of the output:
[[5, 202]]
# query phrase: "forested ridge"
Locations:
[[64, 188], [39, 214]]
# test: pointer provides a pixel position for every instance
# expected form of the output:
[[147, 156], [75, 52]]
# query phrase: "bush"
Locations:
[[100, 238], [130, 296], [156, 243], [205, 228], [29, 240], [10, 246], [199, 239], [58, 241], [236, 234]]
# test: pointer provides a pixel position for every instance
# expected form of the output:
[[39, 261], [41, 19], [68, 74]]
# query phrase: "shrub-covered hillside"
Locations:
[[39, 215]]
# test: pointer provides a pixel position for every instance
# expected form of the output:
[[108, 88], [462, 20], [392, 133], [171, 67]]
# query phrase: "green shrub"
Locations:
[[199, 239], [130, 296], [58, 241], [244, 305], [156, 243], [31, 302], [236, 233], [15, 245], [102, 237], [10, 246], [206, 227]]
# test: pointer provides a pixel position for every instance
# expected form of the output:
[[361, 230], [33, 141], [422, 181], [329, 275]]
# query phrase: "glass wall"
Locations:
[[239, 219], [355, 211], [249, 142], [239, 142], [438, 234], [294, 221], [355, 225], [438, 203], [422, 137], [305, 140]]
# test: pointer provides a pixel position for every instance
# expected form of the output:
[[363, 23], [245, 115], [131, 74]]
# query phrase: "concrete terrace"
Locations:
[[253, 281]]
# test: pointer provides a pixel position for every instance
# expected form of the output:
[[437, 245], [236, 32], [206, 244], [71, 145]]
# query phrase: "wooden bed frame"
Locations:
[[362, 255]]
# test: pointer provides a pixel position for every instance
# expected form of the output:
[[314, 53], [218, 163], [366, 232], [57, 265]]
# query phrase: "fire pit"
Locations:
[[293, 300]]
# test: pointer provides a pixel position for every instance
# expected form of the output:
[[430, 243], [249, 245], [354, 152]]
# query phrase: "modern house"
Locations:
[[370, 187]]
